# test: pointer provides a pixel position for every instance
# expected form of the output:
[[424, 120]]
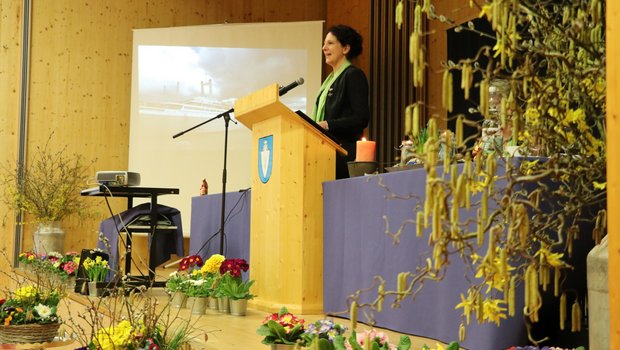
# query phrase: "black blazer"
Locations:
[[347, 110]]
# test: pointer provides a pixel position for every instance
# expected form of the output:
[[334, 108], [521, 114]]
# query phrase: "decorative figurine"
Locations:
[[204, 187]]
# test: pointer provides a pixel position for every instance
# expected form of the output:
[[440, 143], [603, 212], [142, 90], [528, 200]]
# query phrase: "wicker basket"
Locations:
[[28, 333]]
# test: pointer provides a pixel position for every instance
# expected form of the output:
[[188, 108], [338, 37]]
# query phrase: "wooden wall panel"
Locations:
[[459, 12], [10, 56], [356, 14], [81, 72]]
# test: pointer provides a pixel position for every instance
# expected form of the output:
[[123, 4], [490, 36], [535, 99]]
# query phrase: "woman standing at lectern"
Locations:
[[342, 103]]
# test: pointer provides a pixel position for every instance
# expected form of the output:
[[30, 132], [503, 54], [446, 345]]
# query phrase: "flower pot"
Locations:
[[28, 333], [97, 289], [282, 347], [178, 299], [49, 237], [70, 285], [223, 305], [199, 305], [189, 302], [213, 303], [81, 285], [238, 307]]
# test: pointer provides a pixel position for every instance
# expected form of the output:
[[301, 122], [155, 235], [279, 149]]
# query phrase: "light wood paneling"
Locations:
[[10, 57], [437, 43], [81, 73], [356, 14]]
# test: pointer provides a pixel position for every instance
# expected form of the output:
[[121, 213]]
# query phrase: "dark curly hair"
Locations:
[[348, 36]]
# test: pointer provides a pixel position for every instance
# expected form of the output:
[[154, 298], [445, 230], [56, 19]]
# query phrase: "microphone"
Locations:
[[291, 86]]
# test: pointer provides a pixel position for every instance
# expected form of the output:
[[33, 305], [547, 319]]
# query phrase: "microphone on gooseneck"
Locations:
[[291, 86]]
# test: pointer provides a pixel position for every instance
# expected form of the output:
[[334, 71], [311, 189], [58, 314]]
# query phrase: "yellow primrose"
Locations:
[[114, 337], [25, 292]]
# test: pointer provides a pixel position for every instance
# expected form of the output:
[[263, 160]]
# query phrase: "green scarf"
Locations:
[[318, 114]]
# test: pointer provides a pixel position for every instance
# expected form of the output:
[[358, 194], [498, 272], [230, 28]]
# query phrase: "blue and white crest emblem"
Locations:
[[265, 158]]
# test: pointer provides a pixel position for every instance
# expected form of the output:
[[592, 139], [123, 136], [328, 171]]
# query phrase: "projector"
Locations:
[[118, 178]]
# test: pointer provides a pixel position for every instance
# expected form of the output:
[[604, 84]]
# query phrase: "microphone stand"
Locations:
[[227, 120]]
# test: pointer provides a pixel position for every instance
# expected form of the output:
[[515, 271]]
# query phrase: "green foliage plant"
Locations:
[[30, 303], [96, 269], [200, 286], [135, 320], [371, 339], [282, 328], [177, 282], [234, 287]]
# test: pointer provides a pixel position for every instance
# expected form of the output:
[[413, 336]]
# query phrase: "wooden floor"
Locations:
[[216, 330], [219, 331]]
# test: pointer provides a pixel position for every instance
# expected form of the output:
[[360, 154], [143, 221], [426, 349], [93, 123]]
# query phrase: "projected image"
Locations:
[[184, 77], [180, 81]]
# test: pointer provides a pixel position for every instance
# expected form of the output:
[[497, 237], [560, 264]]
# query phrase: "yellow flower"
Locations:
[[552, 259], [532, 116], [492, 311], [26, 292], [486, 11], [599, 185], [527, 166], [114, 337], [467, 304], [474, 258], [212, 265], [399, 14], [495, 275]]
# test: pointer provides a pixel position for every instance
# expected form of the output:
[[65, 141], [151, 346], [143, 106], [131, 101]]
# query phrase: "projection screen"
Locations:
[[182, 76]]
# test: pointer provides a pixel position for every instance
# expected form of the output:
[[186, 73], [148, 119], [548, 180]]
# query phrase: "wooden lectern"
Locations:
[[291, 158]]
